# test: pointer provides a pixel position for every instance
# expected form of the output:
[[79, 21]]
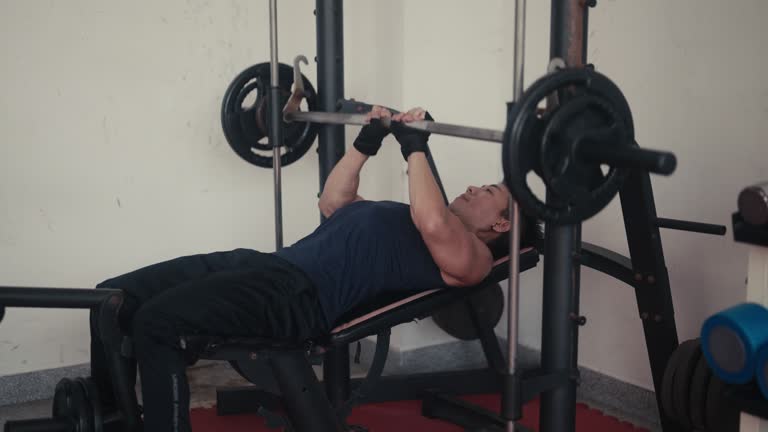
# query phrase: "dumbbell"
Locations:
[[739, 344], [753, 204], [731, 340]]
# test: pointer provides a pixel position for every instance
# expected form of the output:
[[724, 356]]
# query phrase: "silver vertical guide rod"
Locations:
[[275, 122], [513, 292]]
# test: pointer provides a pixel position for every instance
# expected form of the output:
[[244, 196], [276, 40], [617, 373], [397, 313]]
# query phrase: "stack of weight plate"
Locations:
[[693, 396], [76, 408]]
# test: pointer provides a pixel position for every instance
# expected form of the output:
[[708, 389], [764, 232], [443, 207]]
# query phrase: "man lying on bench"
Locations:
[[363, 249]]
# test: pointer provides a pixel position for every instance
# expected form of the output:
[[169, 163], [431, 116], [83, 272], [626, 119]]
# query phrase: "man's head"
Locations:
[[484, 210]]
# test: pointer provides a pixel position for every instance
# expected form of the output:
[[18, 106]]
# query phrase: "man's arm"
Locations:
[[341, 185], [462, 258]]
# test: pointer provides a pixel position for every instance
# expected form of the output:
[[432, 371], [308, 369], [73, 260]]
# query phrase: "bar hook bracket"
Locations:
[[297, 95]]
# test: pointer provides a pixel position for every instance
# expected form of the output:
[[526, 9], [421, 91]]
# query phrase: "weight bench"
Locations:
[[283, 371], [303, 400]]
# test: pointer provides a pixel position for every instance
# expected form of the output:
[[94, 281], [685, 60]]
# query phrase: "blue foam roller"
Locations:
[[730, 340], [761, 370]]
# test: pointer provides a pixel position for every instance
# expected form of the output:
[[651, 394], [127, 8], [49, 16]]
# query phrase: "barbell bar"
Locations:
[[291, 113], [649, 160]]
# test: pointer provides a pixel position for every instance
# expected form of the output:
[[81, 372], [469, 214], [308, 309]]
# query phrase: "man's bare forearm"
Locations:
[[342, 183], [427, 205]]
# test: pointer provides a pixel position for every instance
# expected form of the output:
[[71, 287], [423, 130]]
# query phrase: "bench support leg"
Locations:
[[305, 402]]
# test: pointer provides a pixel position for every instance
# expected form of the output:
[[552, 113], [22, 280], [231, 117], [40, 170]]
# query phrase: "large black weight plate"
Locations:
[[62, 400], [681, 389], [455, 318], [584, 118], [720, 415], [527, 130], [668, 381], [246, 127], [70, 402], [698, 394], [94, 401]]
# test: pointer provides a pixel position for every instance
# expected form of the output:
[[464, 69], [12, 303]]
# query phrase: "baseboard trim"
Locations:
[[36, 385]]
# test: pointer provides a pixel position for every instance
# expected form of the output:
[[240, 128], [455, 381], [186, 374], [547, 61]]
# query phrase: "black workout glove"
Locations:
[[369, 139], [411, 140]]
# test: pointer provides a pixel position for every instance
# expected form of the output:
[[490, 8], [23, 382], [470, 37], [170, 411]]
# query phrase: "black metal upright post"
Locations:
[[330, 78], [560, 297], [568, 31], [557, 345], [651, 280]]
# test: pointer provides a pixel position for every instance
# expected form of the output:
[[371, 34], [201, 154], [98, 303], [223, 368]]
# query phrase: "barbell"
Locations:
[[354, 114], [582, 146]]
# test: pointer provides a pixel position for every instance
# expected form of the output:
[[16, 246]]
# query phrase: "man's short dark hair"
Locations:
[[530, 234]]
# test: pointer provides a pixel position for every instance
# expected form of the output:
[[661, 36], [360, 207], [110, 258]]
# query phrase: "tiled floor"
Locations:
[[204, 378]]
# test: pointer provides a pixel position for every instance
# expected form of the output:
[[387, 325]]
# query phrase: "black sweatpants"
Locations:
[[236, 293]]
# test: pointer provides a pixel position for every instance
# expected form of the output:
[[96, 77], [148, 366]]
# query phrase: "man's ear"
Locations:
[[502, 225]]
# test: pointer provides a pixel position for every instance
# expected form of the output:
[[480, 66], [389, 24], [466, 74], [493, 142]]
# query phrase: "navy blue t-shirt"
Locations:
[[364, 249]]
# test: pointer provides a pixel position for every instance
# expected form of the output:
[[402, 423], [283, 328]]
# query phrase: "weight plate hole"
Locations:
[[541, 107], [250, 98], [536, 185]]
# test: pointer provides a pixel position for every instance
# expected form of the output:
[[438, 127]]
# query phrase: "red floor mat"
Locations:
[[406, 416]]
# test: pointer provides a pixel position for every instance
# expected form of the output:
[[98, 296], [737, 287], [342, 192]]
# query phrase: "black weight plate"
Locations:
[[668, 381], [698, 394], [455, 318], [70, 402], [94, 400], [720, 416], [62, 400], [586, 118], [82, 408], [681, 387], [246, 128], [523, 137]]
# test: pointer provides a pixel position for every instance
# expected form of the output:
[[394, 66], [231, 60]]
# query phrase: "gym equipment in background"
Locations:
[[693, 396]]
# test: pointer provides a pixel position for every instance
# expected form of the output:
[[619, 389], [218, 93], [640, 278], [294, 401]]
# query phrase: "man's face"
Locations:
[[481, 207]]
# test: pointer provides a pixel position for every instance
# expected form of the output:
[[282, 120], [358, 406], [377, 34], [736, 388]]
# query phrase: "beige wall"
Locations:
[[108, 101], [111, 150]]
